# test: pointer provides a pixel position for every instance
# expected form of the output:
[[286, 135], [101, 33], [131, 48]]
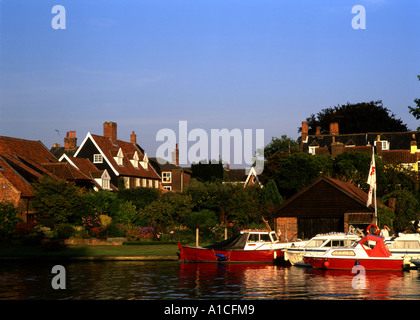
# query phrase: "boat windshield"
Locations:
[[405, 244], [259, 237], [315, 243]]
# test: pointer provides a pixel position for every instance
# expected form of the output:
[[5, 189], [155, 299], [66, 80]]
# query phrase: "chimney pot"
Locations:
[[133, 138], [70, 141]]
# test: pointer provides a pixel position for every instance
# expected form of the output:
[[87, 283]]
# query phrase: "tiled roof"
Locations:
[[235, 175], [400, 156], [397, 140], [34, 150], [110, 150], [66, 171], [18, 181]]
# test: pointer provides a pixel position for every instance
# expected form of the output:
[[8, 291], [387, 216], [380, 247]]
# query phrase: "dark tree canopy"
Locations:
[[415, 111], [357, 118]]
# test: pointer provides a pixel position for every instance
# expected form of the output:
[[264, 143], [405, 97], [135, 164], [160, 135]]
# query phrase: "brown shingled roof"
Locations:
[[110, 150]]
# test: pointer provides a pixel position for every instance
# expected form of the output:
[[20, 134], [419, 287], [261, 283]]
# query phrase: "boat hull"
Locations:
[[348, 263], [196, 254]]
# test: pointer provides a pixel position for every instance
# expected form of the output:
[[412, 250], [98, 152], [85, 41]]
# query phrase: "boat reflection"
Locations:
[[262, 281], [375, 285]]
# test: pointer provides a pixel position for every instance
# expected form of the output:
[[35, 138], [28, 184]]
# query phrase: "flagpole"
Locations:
[[376, 185]]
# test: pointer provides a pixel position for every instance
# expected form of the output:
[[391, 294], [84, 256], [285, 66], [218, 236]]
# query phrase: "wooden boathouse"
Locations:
[[326, 205]]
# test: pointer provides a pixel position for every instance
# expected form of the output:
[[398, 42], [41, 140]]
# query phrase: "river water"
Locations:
[[165, 280]]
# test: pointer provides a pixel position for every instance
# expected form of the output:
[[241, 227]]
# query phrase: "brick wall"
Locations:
[[288, 226]]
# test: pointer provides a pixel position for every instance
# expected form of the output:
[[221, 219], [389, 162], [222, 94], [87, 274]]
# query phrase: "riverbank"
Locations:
[[142, 252]]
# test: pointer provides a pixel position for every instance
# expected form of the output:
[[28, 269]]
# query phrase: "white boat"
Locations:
[[370, 253], [405, 245], [317, 245]]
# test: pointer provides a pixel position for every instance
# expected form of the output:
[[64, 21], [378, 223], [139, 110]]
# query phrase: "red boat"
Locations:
[[370, 252], [248, 246]]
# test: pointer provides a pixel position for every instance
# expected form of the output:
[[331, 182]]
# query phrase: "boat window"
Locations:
[[253, 237], [265, 237], [337, 243], [274, 237], [343, 253], [314, 243], [405, 245]]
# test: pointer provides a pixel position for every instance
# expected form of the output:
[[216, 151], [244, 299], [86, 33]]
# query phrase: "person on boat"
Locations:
[[385, 231]]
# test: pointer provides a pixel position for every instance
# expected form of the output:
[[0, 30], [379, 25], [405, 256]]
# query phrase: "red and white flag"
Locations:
[[371, 180]]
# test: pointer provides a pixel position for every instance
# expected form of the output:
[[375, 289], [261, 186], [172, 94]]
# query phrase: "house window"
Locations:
[[312, 150], [167, 188], [105, 184], [127, 182], [166, 177], [150, 183], [137, 182], [97, 158], [144, 183], [384, 144], [156, 184]]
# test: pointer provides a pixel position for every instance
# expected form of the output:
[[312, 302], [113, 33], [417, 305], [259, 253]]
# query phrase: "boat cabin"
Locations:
[[331, 241]]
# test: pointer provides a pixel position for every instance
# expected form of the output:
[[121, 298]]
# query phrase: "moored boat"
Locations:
[[405, 245], [319, 244], [370, 253], [249, 245]]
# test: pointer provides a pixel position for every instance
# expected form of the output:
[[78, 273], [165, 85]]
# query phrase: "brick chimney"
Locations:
[[413, 145], [378, 145], [70, 141], [110, 131], [336, 148], [175, 155], [305, 131], [334, 130], [318, 131], [133, 138]]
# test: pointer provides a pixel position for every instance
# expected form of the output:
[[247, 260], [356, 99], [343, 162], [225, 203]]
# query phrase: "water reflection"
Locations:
[[172, 280]]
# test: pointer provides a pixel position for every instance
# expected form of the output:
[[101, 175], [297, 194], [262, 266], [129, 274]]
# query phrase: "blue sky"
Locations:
[[247, 64]]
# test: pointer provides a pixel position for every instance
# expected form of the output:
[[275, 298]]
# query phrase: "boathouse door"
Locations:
[[310, 227]]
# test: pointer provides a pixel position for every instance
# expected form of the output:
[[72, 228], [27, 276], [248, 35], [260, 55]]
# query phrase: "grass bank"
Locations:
[[126, 252]]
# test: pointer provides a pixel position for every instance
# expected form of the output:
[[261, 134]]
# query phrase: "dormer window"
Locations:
[[119, 158], [384, 144], [145, 162], [135, 160]]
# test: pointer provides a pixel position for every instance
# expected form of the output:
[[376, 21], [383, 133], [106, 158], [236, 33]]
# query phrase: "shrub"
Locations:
[[140, 233], [115, 230], [24, 228], [65, 231], [8, 219]]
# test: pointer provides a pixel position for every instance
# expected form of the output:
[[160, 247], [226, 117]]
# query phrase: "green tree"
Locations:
[[415, 111], [357, 118], [406, 209], [103, 202], [140, 197], [8, 219], [206, 172], [282, 145], [62, 202], [300, 169]]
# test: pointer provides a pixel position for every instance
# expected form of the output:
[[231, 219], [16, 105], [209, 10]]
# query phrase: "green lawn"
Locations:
[[9, 250]]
